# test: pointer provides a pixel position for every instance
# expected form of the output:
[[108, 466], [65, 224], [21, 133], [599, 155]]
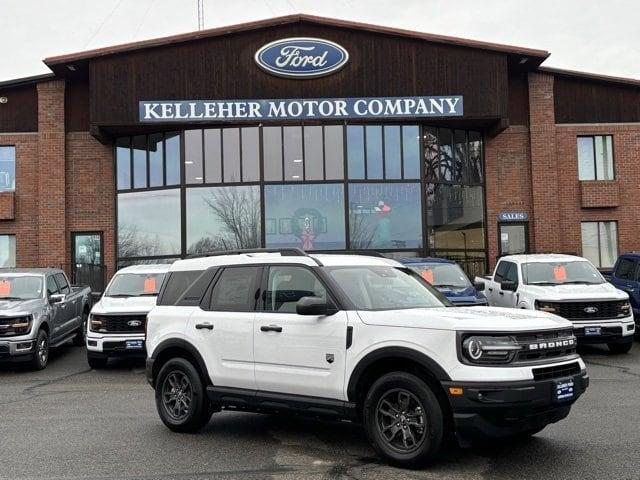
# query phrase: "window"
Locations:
[[506, 271], [7, 251], [595, 158], [52, 286], [149, 223], [626, 269], [600, 243], [177, 284], [147, 161], [309, 216], [222, 218], [193, 156], [235, 290], [156, 164], [7, 169], [123, 163], [287, 285], [385, 216], [62, 283], [139, 148]]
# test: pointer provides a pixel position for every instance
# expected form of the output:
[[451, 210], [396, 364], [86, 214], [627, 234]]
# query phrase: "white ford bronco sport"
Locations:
[[357, 338]]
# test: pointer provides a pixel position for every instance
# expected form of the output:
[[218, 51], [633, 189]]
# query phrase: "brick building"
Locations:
[[388, 140]]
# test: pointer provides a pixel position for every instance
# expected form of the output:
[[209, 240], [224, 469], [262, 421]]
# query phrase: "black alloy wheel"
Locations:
[[401, 420]]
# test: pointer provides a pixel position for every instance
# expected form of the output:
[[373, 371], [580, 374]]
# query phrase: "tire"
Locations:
[[40, 357], [422, 420], [619, 348], [97, 363], [181, 399], [80, 340]]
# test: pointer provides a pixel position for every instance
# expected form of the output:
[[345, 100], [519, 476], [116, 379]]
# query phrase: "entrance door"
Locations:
[[514, 238], [86, 260]]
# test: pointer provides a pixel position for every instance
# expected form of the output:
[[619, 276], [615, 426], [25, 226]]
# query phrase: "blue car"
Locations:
[[626, 277], [447, 276]]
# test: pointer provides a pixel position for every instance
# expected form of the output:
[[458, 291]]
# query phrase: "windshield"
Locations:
[[385, 288], [443, 275], [23, 287], [561, 273], [135, 285]]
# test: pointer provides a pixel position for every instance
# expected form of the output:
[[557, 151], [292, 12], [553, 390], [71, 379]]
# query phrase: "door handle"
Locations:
[[202, 326], [501, 293], [271, 328], [491, 289]]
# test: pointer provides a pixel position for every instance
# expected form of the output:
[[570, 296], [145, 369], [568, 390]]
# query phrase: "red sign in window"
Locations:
[[150, 285], [5, 288], [428, 275], [560, 273]]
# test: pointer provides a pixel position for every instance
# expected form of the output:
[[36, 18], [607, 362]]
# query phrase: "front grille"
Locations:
[[594, 310], [557, 371], [4, 350], [120, 323], [6, 329], [541, 340]]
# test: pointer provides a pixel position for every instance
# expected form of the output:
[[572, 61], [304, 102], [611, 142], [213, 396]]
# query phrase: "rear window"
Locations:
[[176, 284]]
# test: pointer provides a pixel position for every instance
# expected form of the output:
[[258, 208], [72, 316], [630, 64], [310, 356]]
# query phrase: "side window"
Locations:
[[626, 269], [512, 272], [235, 290], [52, 286], [62, 283], [501, 271], [287, 285], [176, 285]]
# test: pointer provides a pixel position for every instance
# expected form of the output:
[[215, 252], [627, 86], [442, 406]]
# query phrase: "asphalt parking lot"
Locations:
[[69, 422]]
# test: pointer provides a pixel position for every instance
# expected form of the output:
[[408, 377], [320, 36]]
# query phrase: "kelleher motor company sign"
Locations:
[[153, 111]]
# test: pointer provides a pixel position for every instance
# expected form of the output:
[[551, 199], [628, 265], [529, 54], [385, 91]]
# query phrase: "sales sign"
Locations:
[[153, 111], [513, 216]]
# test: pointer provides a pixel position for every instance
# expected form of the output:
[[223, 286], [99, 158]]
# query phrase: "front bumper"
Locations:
[[16, 350], [104, 345], [611, 331], [502, 409]]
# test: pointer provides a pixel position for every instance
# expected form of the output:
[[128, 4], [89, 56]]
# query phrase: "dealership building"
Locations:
[[316, 133]]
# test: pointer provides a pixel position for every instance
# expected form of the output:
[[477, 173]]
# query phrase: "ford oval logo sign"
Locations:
[[134, 323], [301, 57], [590, 309]]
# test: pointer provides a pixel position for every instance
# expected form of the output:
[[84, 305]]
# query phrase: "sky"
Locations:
[[587, 35]]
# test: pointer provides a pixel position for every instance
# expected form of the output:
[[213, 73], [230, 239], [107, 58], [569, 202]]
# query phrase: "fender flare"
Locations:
[[394, 352], [183, 345]]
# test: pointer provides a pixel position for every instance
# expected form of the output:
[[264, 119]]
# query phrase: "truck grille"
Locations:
[[589, 310], [4, 350], [120, 323], [545, 345], [557, 371]]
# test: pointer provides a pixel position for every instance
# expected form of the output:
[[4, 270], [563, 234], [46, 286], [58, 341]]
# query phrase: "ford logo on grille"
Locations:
[[301, 57], [590, 309], [134, 323]]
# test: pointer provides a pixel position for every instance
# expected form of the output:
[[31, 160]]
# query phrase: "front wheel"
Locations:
[[620, 347], [181, 398], [404, 420], [40, 357]]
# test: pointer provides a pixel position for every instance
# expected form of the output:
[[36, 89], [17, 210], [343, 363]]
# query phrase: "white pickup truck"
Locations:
[[568, 286]]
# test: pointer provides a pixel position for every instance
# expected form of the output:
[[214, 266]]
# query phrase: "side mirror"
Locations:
[[508, 286], [479, 286], [57, 298], [314, 306]]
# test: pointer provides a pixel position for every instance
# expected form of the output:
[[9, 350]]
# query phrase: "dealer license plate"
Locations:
[[564, 390], [592, 331], [134, 344]]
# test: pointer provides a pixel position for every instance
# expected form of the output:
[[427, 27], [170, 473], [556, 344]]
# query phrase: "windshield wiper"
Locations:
[[553, 284], [120, 295], [146, 294], [448, 285], [11, 298]]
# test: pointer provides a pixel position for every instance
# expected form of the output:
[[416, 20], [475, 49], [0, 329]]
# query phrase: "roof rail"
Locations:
[[284, 252], [368, 253]]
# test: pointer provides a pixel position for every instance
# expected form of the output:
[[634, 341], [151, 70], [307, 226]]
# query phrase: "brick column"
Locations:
[[544, 165], [51, 176]]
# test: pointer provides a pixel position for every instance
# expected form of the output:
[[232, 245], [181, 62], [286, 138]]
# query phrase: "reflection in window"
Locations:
[[600, 243], [392, 152], [475, 157], [193, 156], [7, 169], [595, 158], [313, 154], [272, 151], [250, 154], [308, 216], [156, 166], [293, 166], [334, 152], [139, 146], [459, 156], [231, 154], [172, 147], [474, 263], [447, 168], [431, 153], [455, 215], [222, 218], [385, 215], [374, 152], [123, 163], [411, 151], [149, 223], [7, 251], [213, 155], [355, 151]]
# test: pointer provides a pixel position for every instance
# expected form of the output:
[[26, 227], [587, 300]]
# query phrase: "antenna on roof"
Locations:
[[200, 14]]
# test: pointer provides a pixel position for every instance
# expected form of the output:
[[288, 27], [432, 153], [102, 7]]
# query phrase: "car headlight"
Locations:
[[96, 324], [546, 306], [625, 309], [485, 349], [10, 327]]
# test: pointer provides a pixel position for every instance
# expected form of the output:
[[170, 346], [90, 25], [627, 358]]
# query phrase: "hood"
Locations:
[[603, 291], [10, 307], [463, 295], [469, 319], [124, 305]]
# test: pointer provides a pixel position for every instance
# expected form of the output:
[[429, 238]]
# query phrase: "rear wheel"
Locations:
[[404, 420], [40, 357], [620, 347], [181, 398]]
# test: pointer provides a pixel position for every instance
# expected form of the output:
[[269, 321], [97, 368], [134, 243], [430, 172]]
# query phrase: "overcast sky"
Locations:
[[590, 35]]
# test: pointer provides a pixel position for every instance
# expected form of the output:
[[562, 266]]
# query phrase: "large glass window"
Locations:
[[123, 163], [293, 162], [313, 153], [392, 152], [600, 243], [139, 147], [334, 152], [308, 216], [385, 216], [193, 172], [272, 151], [595, 158], [411, 151], [7, 251], [156, 163], [374, 152], [172, 148], [7, 169], [222, 218], [355, 151], [149, 223]]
